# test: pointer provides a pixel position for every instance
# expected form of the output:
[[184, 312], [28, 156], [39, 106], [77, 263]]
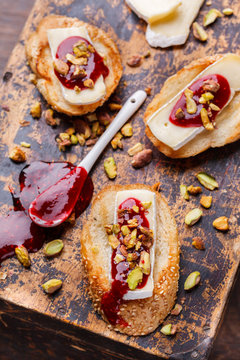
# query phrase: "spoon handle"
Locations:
[[128, 109]]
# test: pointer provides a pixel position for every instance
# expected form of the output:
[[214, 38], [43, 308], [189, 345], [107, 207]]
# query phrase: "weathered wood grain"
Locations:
[[218, 264]]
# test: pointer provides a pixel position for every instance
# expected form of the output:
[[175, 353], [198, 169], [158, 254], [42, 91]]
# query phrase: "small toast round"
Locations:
[[143, 316], [228, 121], [40, 59]]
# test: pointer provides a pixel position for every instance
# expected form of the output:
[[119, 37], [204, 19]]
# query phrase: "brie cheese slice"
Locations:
[[174, 29], [141, 195], [177, 136], [87, 96], [153, 10]]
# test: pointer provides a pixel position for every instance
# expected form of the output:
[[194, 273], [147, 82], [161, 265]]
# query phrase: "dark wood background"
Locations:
[[12, 18]]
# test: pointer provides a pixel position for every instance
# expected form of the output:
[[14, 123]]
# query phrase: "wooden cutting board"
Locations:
[[67, 318]]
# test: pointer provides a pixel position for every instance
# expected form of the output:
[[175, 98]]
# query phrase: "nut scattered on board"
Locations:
[[142, 158], [127, 130], [198, 243], [116, 141], [135, 149], [17, 155], [206, 201], [227, 11], [50, 120], [114, 106], [176, 310], [52, 285], [25, 144], [53, 248], [208, 181], [211, 16], [199, 33], [169, 329], [184, 191], [134, 61], [23, 256], [36, 110], [192, 280], [194, 190], [193, 216], [110, 168], [221, 223]]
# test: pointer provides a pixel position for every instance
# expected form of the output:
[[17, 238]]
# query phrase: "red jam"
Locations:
[[17, 228], [112, 300], [221, 97], [94, 68]]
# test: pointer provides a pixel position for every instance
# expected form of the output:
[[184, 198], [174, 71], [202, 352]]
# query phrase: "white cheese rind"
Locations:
[[153, 10], [174, 29], [85, 97], [177, 136], [142, 195]]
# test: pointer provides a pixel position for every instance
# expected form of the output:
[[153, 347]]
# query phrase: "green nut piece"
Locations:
[[227, 11], [74, 139], [207, 181], [184, 192], [53, 248], [134, 278], [110, 167], [25, 144], [23, 256], [113, 241], [144, 262], [52, 285], [191, 105], [205, 120], [169, 329], [193, 216], [125, 230], [192, 280], [211, 16], [199, 33], [116, 228]]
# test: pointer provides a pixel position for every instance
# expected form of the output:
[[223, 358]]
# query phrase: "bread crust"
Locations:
[[228, 123], [143, 316], [40, 60]]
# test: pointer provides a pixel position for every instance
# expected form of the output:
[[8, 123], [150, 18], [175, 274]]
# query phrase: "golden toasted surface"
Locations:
[[40, 59], [143, 316], [228, 122]]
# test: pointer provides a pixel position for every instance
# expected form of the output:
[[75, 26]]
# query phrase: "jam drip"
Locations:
[[16, 228], [94, 68], [112, 300], [220, 99]]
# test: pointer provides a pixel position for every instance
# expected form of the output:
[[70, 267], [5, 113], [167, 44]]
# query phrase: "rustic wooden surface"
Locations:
[[218, 263]]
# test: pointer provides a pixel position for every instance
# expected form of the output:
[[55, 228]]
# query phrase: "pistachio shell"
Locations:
[[192, 280], [53, 248], [193, 216], [207, 181], [52, 285]]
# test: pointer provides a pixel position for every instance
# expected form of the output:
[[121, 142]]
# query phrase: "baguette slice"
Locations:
[[40, 60], [143, 316], [228, 122]]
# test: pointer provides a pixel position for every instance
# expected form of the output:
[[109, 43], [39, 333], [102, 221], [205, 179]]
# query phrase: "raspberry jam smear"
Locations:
[[221, 97], [94, 68], [112, 300], [17, 228]]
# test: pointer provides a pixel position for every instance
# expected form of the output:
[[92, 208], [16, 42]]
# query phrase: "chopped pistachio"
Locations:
[[74, 139], [119, 258], [227, 11], [205, 97], [132, 257], [88, 83], [36, 110], [134, 278], [127, 130], [70, 131], [134, 234], [132, 223], [192, 280], [108, 229], [206, 201], [17, 155], [113, 241], [61, 67], [138, 245], [114, 106], [207, 181], [144, 262], [198, 32], [169, 329], [214, 107], [194, 190], [64, 136], [52, 285], [92, 117], [77, 89], [205, 120], [125, 230], [135, 149], [211, 16], [110, 167], [221, 223], [116, 228], [184, 191], [25, 144], [198, 243], [193, 216], [116, 141], [179, 114], [76, 61], [191, 105], [81, 139], [135, 208], [23, 256], [50, 120], [53, 248], [176, 310], [146, 204], [211, 85], [95, 128]]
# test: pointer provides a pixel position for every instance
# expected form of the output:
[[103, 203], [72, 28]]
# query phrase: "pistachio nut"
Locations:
[[206, 201], [125, 230], [191, 105], [207, 180], [119, 258], [205, 120], [192, 280], [135, 149], [227, 11], [113, 241], [25, 144], [52, 285], [194, 190], [176, 310], [193, 216], [184, 191], [169, 329], [127, 130], [53, 248], [198, 243], [36, 110], [144, 262], [114, 106], [17, 155], [221, 223], [135, 208], [116, 228], [23, 256], [214, 107], [199, 33], [146, 204], [211, 16], [110, 168], [134, 278], [74, 139], [208, 96]]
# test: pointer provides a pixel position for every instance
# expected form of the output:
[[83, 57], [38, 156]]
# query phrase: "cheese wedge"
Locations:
[[153, 10], [174, 29], [85, 97], [142, 195], [177, 136]]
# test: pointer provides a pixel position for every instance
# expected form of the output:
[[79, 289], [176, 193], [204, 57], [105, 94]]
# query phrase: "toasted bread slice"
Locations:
[[40, 59], [143, 316], [228, 121]]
